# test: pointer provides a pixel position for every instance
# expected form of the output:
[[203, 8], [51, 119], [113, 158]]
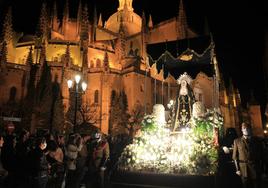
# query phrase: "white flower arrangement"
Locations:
[[156, 150]]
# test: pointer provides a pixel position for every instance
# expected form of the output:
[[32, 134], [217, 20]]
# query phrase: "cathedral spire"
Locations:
[[125, 3], [42, 61], [7, 32], [214, 59], [66, 11], [65, 18], [84, 42], [79, 16], [85, 59], [150, 23], [100, 23], [42, 29], [68, 55], [55, 16], [121, 42], [84, 24], [121, 26], [29, 60], [182, 22], [143, 35], [232, 93], [237, 96], [95, 22], [106, 61], [3, 56], [42, 58], [143, 25], [79, 11]]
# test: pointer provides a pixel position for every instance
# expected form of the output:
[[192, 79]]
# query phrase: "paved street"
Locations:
[[146, 180]]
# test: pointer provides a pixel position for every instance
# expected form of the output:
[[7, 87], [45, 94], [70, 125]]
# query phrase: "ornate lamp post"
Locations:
[[77, 79]]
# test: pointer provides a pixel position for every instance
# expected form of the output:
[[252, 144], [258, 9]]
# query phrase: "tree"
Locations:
[[135, 119], [44, 96], [119, 117], [57, 109], [29, 102], [124, 115], [114, 114]]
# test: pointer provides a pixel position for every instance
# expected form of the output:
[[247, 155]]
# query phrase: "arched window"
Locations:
[[91, 64], [96, 96], [12, 93], [98, 63]]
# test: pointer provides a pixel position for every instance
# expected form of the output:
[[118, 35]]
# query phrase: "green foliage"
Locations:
[[148, 124], [205, 155], [203, 129]]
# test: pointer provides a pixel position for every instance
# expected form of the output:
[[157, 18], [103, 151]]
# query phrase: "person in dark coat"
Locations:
[[247, 154], [22, 149], [9, 160], [3, 171], [99, 154], [73, 147], [39, 166]]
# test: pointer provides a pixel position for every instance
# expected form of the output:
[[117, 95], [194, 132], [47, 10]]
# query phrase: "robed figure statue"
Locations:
[[184, 102]]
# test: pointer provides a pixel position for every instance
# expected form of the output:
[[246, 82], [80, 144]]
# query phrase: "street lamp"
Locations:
[[77, 79]]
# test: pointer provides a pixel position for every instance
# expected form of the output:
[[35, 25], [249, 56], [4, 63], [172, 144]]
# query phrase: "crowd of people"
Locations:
[[53, 160], [85, 160]]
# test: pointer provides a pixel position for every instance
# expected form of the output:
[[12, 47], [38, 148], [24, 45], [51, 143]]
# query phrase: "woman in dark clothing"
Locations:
[[3, 171], [9, 161], [73, 147], [39, 165]]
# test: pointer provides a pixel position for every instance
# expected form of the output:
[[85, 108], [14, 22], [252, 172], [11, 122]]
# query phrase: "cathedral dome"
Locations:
[[130, 20], [26, 38]]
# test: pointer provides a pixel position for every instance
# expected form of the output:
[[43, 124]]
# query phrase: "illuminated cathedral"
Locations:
[[113, 58]]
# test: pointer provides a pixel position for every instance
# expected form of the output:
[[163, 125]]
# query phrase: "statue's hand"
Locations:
[[226, 150], [238, 172]]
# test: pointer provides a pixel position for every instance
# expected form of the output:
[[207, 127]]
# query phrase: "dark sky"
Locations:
[[237, 26]]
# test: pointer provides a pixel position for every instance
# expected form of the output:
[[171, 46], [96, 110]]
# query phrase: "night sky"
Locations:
[[237, 26]]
